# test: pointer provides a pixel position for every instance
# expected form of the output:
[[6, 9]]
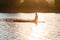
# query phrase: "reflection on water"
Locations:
[[47, 30], [50, 30], [23, 16], [15, 31]]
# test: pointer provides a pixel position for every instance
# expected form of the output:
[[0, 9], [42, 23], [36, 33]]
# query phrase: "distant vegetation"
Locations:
[[38, 5]]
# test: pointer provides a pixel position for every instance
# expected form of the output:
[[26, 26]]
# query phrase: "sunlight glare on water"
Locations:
[[47, 30]]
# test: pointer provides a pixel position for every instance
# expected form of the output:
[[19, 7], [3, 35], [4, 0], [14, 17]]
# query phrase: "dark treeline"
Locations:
[[57, 6], [29, 5]]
